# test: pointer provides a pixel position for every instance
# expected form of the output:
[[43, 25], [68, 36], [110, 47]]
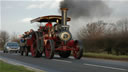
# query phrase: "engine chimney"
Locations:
[[64, 16]]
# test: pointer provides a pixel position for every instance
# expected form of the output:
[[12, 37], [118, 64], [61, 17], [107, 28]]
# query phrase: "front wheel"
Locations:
[[4, 51], [64, 54], [35, 46], [15, 51], [49, 49], [78, 51]]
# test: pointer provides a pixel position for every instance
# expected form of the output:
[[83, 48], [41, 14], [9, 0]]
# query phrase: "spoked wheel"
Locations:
[[34, 51], [64, 54], [49, 49], [35, 46], [41, 43], [78, 51]]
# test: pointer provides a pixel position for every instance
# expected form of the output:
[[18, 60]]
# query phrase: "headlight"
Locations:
[[65, 36], [18, 47], [7, 47]]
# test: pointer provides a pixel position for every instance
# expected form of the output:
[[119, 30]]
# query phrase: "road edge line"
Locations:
[[106, 67]]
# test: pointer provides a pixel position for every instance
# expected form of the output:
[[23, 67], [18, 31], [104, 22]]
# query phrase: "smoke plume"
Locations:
[[86, 8]]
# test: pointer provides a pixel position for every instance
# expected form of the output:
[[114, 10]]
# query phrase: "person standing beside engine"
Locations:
[[22, 44]]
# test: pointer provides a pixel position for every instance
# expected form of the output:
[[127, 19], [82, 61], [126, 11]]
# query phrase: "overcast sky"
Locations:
[[15, 15]]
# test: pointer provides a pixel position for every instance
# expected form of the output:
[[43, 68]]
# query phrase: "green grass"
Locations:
[[106, 56], [1, 49], [5, 67]]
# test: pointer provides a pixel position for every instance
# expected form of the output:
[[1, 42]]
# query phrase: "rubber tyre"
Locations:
[[15, 51], [4, 51]]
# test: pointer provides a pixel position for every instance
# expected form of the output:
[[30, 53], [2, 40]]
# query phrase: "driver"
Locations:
[[49, 24], [49, 27]]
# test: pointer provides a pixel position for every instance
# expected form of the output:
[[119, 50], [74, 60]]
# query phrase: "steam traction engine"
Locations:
[[53, 39]]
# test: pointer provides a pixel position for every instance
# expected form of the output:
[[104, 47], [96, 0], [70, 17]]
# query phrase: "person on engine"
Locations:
[[48, 27], [49, 24]]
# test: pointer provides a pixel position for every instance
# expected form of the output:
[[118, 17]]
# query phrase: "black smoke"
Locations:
[[86, 8]]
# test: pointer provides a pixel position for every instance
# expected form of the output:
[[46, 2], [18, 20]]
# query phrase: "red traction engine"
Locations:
[[54, 40]]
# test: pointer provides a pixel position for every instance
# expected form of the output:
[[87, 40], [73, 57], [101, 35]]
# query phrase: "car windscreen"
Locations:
[[12, 44]]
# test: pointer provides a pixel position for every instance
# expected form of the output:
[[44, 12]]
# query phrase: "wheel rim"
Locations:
[[48, 50]]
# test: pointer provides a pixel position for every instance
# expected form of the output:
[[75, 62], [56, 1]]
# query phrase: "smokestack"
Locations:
[[64, 16]]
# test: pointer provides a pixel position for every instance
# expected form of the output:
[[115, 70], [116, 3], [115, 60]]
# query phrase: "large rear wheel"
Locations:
[[34, 51], [35, 46], [49, 49], [78, 51], [41, 43]]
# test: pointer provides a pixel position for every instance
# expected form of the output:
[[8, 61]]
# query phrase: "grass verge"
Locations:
[[5, 67], [106, 56], [1, 49]]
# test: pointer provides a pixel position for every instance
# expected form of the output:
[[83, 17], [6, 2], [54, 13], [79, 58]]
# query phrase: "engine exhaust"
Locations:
[[64, 16]]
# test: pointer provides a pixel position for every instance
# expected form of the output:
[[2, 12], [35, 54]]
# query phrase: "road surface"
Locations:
[[70, 64]]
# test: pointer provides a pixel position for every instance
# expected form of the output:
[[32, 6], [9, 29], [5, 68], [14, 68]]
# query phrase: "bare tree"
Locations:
[[93, 30], [4, 36], [106, 37], [92, 36], [122, 25], [14, 38]]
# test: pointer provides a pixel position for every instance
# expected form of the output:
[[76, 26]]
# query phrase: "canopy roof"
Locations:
[[50, 18]]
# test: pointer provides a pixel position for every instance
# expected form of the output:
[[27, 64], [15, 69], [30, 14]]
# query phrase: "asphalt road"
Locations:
[[70, 64]]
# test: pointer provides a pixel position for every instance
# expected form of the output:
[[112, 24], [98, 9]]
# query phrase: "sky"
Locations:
[[15, 15]]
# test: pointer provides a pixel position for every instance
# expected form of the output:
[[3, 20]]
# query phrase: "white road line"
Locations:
[[62, 61], [106, 67]]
